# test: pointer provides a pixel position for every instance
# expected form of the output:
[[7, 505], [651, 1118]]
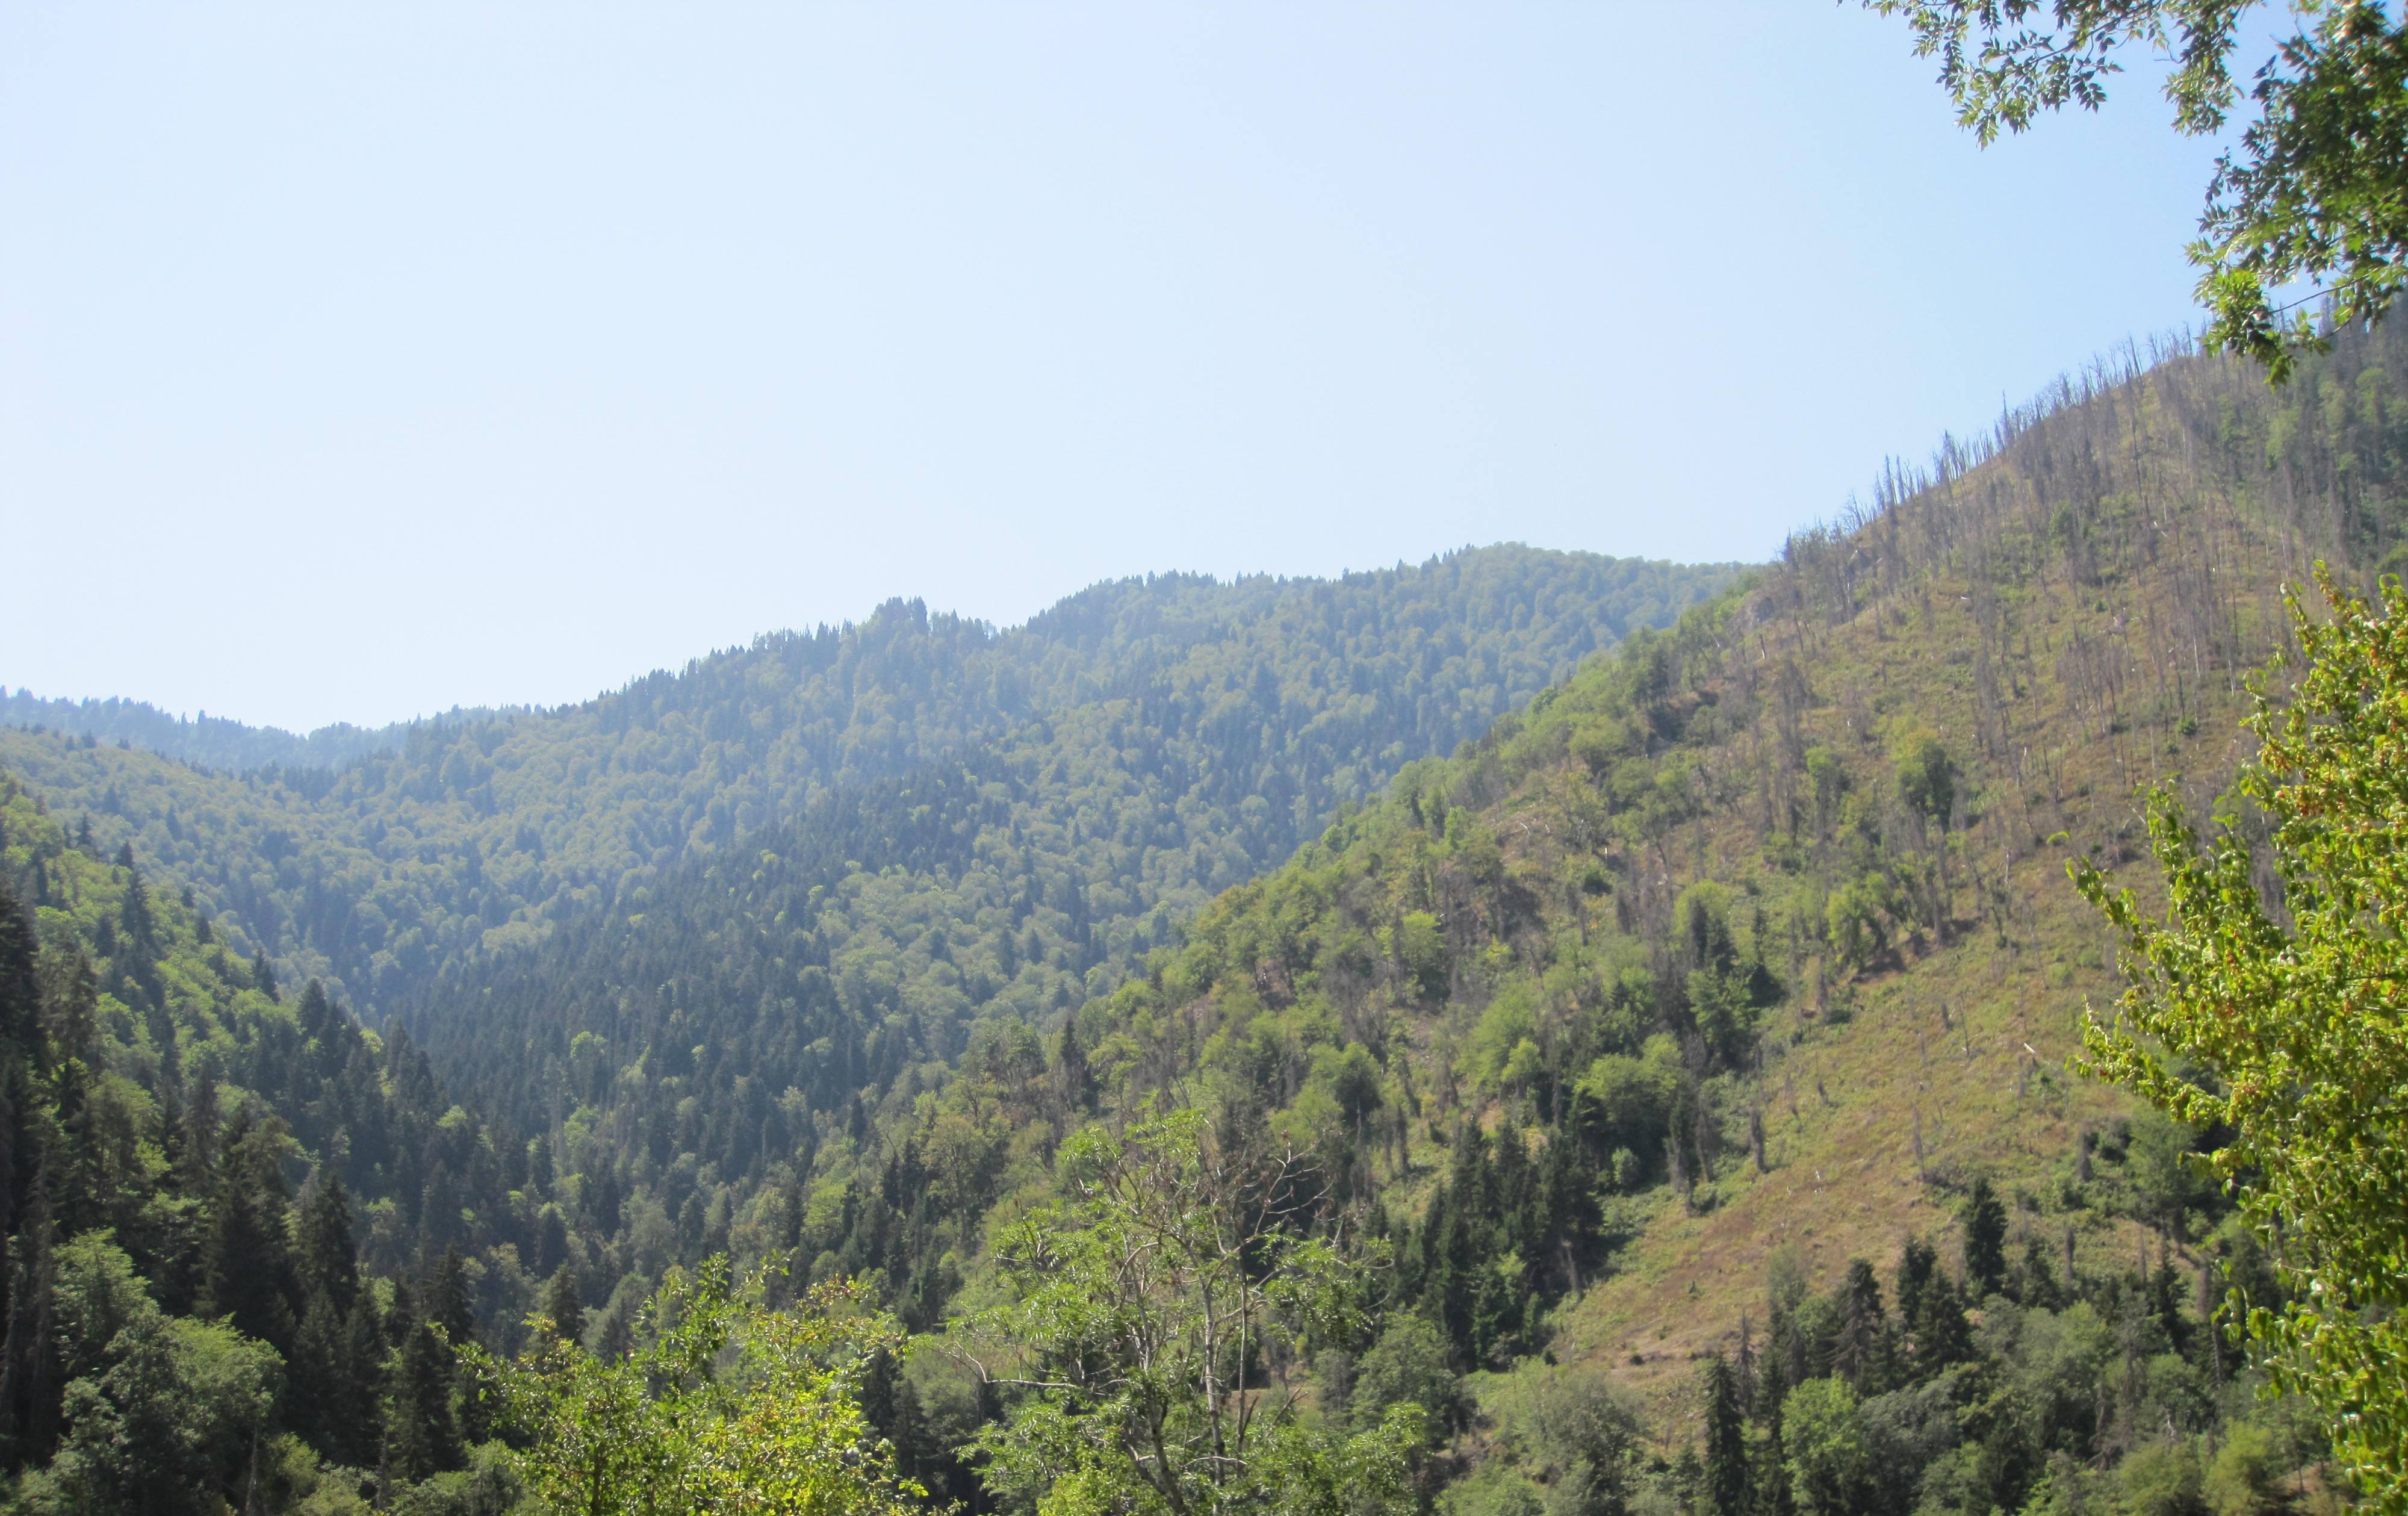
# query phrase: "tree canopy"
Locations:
[[2274, 1007], [2317, 190], [727, 1406]]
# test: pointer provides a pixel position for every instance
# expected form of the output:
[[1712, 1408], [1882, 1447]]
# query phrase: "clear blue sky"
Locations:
[[359, 359]]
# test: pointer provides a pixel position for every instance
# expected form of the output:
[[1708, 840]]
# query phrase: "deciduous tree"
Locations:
[[2282, 1018]]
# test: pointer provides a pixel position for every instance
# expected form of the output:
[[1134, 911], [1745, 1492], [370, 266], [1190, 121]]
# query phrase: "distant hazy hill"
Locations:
[[212, 741], [1217, 724]]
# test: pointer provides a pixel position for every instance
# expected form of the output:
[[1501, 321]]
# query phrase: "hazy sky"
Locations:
[[359, 359]]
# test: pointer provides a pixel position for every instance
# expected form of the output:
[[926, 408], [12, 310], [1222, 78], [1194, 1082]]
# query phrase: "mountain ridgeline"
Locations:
[[214, 741], [1250, 709], [1040, 804], [1632, 971]]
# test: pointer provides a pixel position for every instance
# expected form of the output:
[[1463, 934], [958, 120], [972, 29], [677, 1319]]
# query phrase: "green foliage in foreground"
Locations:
[[1157, 1326], [727, 1407], [2314, 192], [159, 1409], [2291, 1009]]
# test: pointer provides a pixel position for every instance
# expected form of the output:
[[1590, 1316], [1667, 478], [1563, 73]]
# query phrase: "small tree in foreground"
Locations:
[[2301, 1015], [1153, 1323], [728, 1407]]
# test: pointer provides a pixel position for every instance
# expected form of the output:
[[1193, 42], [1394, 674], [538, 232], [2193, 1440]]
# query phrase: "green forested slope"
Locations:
[[194, 1169], [1214, 724], [1748, 951], [938, 825], [1609, 1045]]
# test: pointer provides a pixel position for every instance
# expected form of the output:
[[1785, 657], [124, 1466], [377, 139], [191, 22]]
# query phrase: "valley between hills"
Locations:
[[1608, 955]]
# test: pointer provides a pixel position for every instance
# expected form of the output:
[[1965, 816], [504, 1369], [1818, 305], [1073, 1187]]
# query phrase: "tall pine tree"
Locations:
[[1728, 1481], [249, 1273]]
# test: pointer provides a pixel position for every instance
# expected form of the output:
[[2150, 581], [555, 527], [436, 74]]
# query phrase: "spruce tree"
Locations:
[[249, 1270], [135, 917], [1941, 1335], [403, 1314], [1770, 1475], [1985, 1240], [1728, 1480], [316, 1013], [329, 1261], [447, 1304], [74, 1160], [365, 1352], [615, 1339], [1917, 1263], [449, 1310], [315, 1378], [421, 1436], [1857, 1351], [31, 1377], [199, 1154], [19, 997], [1071, 1065]]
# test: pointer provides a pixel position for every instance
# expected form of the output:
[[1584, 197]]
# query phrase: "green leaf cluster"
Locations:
[[2273, 1007]]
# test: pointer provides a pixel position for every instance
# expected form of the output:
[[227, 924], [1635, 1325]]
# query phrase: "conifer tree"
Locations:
[[449, 1310], [1985, 1239], [365, 1351], [133, 914], [315, 1012], [248, 1263], [447, 1304], [199, 1157], [1917, 1263], [421, 1436], [316, 1397], [1941, 1335], [1726, 1473], [329, 1261], [31, 1378], [71, 995], [403, 1314], [1769, 1472], [20, 995], [1858, 1350], [71, 1001], [1078, 1080]]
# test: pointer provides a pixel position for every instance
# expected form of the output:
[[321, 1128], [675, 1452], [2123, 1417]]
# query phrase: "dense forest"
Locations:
[[1612, 1018], [195, 1157], [1208, 726]]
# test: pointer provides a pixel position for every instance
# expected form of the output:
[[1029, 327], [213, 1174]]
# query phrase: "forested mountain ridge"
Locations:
[[1629, 1046], [1164, 713], [211, 741], [375, 876], [1745, 956]]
